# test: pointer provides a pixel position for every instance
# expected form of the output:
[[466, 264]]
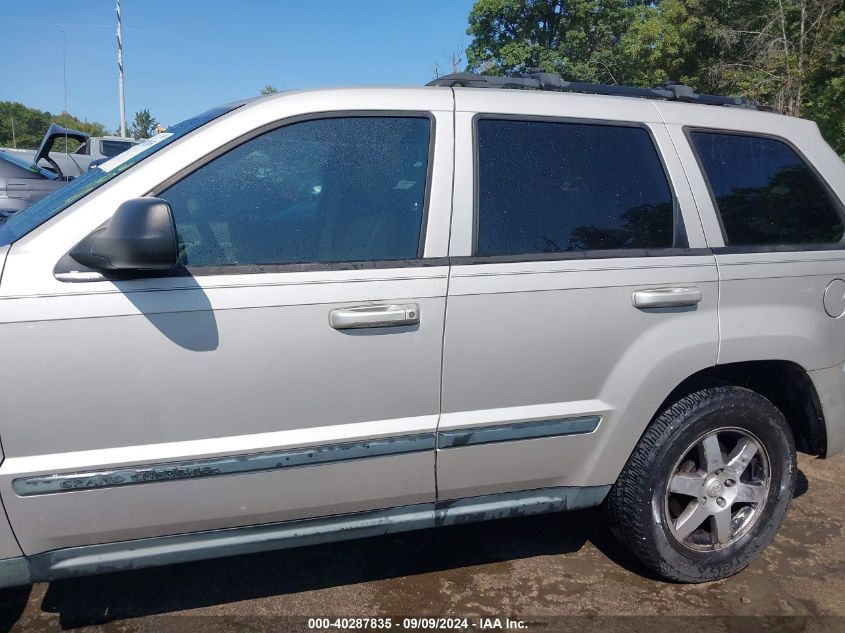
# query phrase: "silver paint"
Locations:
[[103, 366]]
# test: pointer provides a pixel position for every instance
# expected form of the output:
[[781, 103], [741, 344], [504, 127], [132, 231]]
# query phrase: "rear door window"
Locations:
[[765, 192], [560, 187]]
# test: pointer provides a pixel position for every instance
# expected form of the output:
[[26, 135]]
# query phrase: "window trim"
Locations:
[[678, 228], [234, 269], [728, 248], [66, 266], [67, 270]]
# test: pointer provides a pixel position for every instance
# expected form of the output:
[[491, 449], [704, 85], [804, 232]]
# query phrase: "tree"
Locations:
[[665, 41], [24, 127], [577, 38], [456, 58], [269, 89], [771, 48], [787, 54], [144, 125], [826, 98], [29, 125]]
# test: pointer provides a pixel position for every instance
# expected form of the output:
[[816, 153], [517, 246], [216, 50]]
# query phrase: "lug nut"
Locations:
[[729, 482], [721, 501]]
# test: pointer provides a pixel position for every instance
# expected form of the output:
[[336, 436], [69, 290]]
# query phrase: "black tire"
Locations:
[[638, 504]]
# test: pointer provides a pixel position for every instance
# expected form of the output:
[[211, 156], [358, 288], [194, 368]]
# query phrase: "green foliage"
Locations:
[[789, 54], [577, 38], [663, 42], [30, 125], [826, 104], [269, 89], [144, 125]]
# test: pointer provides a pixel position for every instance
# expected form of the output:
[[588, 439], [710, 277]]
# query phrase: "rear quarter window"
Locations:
[[765, 193]]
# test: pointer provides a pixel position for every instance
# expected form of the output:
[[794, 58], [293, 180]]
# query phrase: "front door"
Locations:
[[291, 369]]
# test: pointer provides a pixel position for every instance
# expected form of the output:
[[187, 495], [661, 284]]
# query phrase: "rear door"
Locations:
[[581, 290], [290, 369]]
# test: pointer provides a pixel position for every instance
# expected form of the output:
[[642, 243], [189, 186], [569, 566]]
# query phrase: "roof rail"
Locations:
[[552, 81]]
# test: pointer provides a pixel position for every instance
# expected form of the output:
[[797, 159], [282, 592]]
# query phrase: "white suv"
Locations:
[[329, 314]]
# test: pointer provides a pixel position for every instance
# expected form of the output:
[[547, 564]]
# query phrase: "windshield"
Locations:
[[32, 217]]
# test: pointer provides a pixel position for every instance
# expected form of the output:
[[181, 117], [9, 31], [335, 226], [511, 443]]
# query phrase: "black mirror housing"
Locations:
[[141, 235]]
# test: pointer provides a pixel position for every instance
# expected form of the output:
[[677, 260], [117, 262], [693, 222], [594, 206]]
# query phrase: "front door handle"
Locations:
[[375, 316], [667, 297]]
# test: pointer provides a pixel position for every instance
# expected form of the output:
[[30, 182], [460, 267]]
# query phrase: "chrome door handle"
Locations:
[[375, 316], [667, 297]]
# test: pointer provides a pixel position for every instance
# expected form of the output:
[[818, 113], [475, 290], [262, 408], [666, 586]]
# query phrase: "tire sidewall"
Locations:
[[723, 407]]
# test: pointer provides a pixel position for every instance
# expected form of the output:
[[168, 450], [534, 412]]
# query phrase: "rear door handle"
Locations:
[[667, 297], [375, 316]]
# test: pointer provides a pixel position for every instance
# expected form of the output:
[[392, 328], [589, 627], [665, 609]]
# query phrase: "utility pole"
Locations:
[[14, 140], [120, 75], [64, 69]]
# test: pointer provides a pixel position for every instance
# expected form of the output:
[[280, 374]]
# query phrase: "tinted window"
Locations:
[[547, 187], [328, 190], [765, 192]]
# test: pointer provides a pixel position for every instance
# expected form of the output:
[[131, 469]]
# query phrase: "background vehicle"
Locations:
[[97, 148], [22, 183], [26, 176], [332, 314]]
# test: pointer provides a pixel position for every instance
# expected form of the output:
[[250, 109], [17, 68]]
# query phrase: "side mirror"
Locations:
[[140, 236]]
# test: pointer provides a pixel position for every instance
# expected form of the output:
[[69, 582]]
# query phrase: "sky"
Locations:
[[184, 56]]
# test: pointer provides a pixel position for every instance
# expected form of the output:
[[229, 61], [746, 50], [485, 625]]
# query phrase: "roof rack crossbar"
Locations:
[[553, 82]]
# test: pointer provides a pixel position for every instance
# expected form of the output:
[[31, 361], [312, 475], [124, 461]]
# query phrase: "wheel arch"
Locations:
[[784, 383]]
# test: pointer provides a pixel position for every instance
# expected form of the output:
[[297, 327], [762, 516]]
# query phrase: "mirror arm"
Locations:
[[83, 251]]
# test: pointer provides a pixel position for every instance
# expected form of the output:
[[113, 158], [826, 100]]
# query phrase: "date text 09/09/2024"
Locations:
[[411, 623]]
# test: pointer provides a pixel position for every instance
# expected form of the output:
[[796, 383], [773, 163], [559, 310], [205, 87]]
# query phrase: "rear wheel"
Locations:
[[707, 486]]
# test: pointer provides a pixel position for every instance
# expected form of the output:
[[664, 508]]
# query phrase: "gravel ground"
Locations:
[[543, 571]]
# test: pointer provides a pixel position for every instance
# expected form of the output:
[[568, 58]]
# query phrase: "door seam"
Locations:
[[703, 233], [446, 297]]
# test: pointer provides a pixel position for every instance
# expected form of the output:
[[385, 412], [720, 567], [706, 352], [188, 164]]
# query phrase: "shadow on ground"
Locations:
[[98, 600], [12, 605]]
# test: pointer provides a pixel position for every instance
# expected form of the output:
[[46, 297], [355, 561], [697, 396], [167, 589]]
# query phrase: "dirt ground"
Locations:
[[542, 572]]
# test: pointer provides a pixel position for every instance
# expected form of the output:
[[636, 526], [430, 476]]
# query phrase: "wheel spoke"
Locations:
[[691, 518], [711, 453], [716, 491], [750, 493], [720, 524], [686, 484], [741, 455]]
